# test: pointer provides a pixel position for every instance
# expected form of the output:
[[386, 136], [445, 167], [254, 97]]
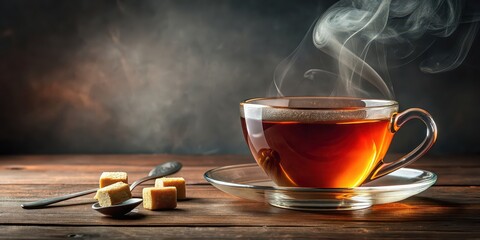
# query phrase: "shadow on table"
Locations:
[[414, 208], [129, 216]]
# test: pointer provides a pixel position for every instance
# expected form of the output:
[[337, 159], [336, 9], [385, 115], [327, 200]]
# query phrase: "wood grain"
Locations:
[[448, 210], [333, 230], [208, 206], [71, 169]]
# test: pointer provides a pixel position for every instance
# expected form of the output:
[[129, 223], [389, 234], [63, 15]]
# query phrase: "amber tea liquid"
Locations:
[[340, 153]]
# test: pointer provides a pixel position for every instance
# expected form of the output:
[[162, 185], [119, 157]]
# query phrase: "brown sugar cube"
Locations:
[[113, 194], [108, 178], [177, 182], [159, 198]]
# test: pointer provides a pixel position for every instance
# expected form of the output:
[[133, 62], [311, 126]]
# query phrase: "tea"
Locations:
[[325, 154]]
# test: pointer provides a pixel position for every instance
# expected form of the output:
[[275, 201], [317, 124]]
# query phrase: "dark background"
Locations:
[[167, 76]]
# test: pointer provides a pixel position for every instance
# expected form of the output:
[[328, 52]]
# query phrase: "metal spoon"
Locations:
[[159, 171]]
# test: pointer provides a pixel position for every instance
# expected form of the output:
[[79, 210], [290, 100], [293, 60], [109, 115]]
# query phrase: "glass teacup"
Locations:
[[327, 142]]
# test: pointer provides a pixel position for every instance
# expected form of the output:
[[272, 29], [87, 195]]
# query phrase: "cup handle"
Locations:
[[397, 122]]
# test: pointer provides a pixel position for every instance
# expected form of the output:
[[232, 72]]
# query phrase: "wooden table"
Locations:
[[450, 209]]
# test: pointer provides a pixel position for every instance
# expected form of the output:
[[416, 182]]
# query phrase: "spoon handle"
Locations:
[[48, 201]]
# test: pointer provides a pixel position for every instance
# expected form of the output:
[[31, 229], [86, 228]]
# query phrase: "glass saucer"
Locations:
[[248, 181]]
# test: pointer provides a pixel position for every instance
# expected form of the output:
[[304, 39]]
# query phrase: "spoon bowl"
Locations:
[[118, 209]]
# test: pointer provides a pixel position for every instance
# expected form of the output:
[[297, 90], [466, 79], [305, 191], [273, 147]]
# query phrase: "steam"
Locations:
[[355, 39]]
